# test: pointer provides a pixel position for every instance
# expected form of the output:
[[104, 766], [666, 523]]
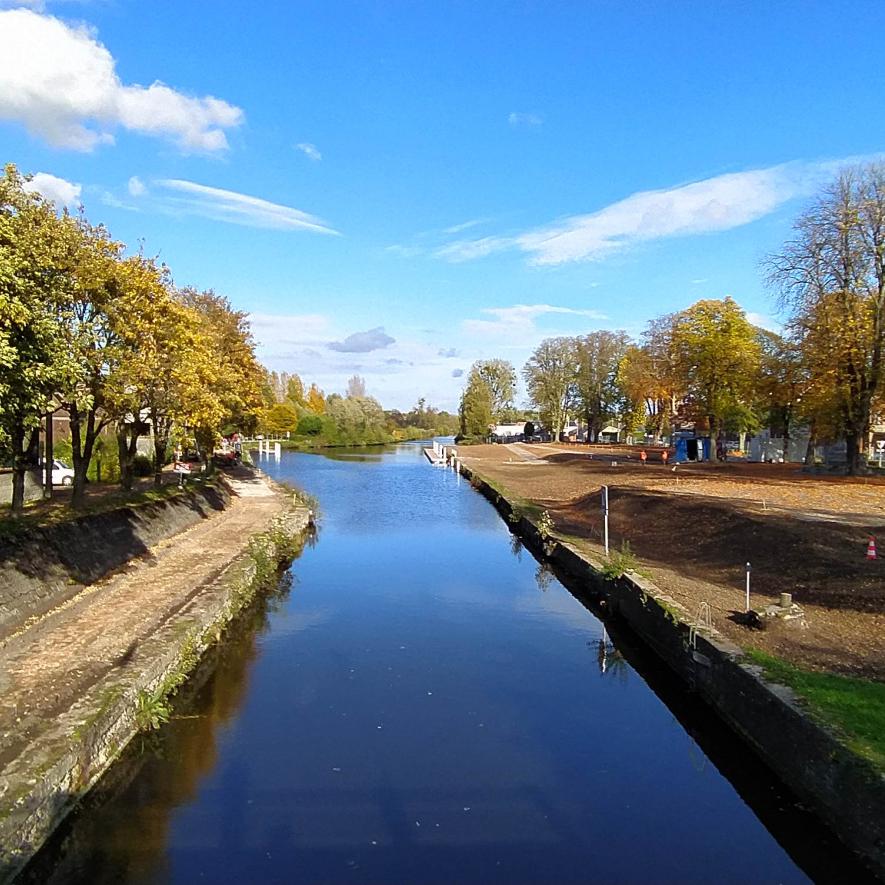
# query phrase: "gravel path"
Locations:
[[48, 665]]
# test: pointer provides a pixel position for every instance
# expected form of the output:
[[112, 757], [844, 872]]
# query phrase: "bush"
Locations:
[[310, 425], [142, 466]]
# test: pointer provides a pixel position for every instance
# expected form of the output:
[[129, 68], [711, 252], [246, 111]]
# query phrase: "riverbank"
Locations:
[[82, 678], [821, 765]]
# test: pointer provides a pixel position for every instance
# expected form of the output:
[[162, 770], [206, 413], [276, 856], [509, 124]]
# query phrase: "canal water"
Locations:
[[421, 703]]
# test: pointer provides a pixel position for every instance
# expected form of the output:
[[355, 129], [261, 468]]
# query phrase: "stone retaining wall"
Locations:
[[845, 790], [48, 565], [43, 785]]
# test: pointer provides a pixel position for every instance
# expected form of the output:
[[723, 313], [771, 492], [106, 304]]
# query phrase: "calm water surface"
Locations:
[[423, 705]]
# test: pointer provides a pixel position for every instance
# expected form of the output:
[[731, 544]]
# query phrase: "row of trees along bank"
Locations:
[[105, 337], [710, 366], [311, 418]]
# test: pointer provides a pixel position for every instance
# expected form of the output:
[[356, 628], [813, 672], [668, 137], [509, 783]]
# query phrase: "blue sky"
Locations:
[[397, 189]]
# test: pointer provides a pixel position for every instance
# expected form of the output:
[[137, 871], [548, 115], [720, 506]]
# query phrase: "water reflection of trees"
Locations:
[[544, 577], [610, 660], [122, 832], [516, 547]]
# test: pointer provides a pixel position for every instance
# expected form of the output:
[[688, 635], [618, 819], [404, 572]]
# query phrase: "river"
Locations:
[[422, 703]]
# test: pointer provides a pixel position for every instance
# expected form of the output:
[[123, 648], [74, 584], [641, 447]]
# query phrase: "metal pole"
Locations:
[[748, 587]]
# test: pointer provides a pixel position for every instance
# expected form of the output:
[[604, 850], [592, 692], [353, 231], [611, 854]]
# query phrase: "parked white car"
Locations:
[[62, 475]]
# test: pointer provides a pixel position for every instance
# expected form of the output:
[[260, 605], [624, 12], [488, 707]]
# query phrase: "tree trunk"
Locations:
[[19, 467], [852, 452], [125, 463], [786, 422], [48, 456], [161, 443], [81, 451]]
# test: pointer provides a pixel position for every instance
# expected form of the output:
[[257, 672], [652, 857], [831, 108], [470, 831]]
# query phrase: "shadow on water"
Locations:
[[183, 802], [79, 851], [800, 832]]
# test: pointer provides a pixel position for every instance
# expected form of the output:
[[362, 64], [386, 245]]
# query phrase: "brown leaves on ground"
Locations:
[[695, 529]]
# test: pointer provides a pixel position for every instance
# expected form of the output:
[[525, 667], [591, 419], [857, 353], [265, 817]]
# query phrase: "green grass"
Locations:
[[856, 707], [40, 514]]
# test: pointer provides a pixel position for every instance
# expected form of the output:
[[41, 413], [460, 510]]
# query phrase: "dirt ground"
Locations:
[[50, 663], [695, 528]]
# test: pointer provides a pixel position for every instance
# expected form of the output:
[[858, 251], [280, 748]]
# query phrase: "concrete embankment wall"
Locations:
[[845, 790], [44, 784], [48, 565]]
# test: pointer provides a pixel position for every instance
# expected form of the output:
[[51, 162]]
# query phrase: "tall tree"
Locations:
[[236, 378], [718, 355], [356, 386], [831, 276], [550, 378], [500, 378], [476, 408], [92, 323], [599, 396], [782, 385], [38, 252]]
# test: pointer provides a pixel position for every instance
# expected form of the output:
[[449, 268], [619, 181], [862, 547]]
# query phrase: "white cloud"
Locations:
[[237, 208], [467, 250], [61, 84], [465, 225], [763, 321], [136, 187], [519, 119], [519, 320], [714, 204], [59, 190], [363, 342], [309, 150]]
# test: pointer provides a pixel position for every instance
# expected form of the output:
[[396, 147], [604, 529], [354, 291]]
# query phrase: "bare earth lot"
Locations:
[[694, 529]]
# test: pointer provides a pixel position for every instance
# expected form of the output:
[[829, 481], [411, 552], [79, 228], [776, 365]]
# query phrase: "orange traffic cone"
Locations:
[[871, 549]]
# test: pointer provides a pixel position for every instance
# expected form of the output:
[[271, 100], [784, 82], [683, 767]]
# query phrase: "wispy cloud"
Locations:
[[61, 84], [309, 150], [59, 190], [714, 204], [517, 119], [465, 225], [237, 208], [519, 319], [363, 342]]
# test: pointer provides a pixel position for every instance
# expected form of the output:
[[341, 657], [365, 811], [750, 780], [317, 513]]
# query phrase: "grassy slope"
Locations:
[[856, 707]]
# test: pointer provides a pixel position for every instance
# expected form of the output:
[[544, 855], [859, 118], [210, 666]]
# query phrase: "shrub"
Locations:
[[310, 425]]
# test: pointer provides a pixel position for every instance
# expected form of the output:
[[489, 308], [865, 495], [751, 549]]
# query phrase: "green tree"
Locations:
[[718, 357], [599, 396], [38, 253], [476, 408], [550, 378], [500, 378]]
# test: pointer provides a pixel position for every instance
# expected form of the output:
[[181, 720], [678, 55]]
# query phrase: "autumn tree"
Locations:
[[38, 252], [649, 379], [550, 379], [315, 402], [91, 324], [831, 277], [598, 394], [717, 355], [782, 386], [235, 381]]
